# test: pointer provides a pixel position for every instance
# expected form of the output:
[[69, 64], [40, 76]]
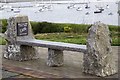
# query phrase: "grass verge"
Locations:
[[75, 38], [2, 41]]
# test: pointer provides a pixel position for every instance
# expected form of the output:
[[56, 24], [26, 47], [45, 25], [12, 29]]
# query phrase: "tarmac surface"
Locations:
[[38, 69]]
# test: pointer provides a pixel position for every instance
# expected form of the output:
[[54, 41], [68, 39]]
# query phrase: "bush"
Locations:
[[35, 27], [67, 29], [50, 28], [80, 28], [114, 28], [45, 27]]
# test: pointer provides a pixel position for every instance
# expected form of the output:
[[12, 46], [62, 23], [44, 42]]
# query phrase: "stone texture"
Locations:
[[14, 51], [99, 58], [55, 57]]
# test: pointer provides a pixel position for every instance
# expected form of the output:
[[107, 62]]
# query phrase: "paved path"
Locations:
[[72, 66], [8, 74]]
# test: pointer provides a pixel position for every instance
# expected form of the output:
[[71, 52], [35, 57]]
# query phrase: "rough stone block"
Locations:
[[19, 28], [55, 58], [99, 57]]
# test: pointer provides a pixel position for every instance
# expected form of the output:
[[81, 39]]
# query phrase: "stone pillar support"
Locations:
[[55, 57], [19, 28], [20, 52], [99, 59]]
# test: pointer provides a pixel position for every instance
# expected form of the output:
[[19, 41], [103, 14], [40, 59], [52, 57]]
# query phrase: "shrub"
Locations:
[[79, 28], [50, 28], [36, 27], [67, 29], [45, 27], [114, 28]]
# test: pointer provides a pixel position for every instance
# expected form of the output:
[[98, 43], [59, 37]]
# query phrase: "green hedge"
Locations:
[[46, 27], [114, 28], [79, 28]]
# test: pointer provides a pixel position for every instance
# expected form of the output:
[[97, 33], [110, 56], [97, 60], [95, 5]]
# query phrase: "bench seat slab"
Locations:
[[53, 45]]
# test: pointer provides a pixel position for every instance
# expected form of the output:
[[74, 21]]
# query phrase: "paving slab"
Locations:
[[8, 74], [28, 72]]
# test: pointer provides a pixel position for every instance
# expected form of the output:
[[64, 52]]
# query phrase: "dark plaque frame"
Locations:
[[22, 29]]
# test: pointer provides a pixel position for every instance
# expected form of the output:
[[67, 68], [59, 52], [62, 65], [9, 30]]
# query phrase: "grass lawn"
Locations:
[[2, 41], [63, 37], [75, 38]]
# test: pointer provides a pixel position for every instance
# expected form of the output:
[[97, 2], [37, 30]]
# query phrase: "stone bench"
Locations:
[[21, 45], [55, 49]]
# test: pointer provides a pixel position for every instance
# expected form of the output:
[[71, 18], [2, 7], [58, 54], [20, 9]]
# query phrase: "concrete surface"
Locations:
[[8, 74], [72, 64]]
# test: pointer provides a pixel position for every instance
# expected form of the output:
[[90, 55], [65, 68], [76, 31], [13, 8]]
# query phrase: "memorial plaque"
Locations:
[[22, 29]]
